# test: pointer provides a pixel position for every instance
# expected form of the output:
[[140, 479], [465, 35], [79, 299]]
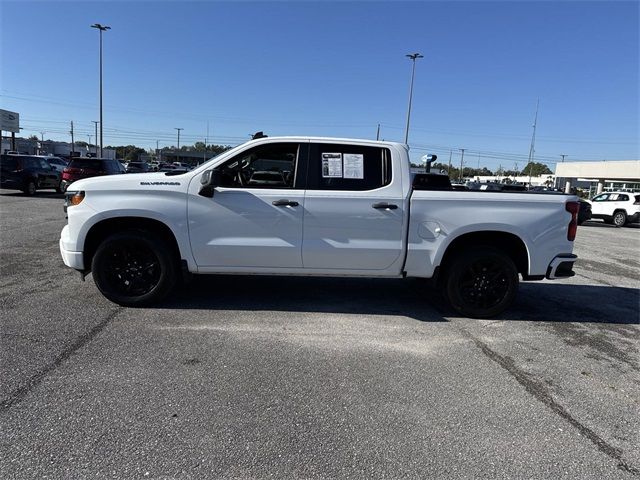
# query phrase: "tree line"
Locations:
[[535, 169]]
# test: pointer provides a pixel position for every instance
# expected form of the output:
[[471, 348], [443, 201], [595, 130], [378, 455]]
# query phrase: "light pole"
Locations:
[[102, 28], [413, 57], [178, 154]]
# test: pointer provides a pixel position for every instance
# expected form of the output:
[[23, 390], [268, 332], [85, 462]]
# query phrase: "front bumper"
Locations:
[[70, 258], [561, 266]]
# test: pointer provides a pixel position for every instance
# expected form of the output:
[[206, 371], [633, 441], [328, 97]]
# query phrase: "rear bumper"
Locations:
[[561, 266]]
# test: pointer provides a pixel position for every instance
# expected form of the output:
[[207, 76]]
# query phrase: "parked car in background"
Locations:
[[28, 173], [617, 208], [584, 213], [182, 166], [82, 167], [154, 166], [56, 162], [138, 167]]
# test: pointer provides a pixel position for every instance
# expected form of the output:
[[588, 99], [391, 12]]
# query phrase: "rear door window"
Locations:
[[87, 164], [348, 167], [9, 163]]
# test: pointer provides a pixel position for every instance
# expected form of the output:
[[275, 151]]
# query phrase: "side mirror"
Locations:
[[208, 182], [428, 160]]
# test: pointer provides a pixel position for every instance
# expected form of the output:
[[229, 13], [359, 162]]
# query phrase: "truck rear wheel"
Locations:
[[134, 268], [481, 283]]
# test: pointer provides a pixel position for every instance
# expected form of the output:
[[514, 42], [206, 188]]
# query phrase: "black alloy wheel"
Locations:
[[30, 188], [481, 283], [134, 268]]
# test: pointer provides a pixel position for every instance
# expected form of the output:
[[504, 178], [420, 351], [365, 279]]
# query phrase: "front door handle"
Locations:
[[384, 205], [284, 203]]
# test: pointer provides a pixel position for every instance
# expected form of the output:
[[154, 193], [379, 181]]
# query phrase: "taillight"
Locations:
[[573, 208]]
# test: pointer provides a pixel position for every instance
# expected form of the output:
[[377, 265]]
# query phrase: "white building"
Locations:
[[600, 176]]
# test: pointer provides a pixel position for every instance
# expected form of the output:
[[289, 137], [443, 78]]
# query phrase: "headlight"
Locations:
[[72, 199]]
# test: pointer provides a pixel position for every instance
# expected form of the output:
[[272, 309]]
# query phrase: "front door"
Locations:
[[254, 219]]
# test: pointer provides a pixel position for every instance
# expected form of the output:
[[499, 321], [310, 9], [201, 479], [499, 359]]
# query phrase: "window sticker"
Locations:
[[332, 165], [353, 165]]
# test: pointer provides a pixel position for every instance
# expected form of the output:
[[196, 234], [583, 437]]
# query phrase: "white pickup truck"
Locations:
[[314, 206]]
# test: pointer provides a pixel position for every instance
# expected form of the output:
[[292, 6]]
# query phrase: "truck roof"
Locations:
[[299, 138]]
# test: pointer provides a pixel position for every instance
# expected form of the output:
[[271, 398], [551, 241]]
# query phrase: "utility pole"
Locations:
[[449, 168], [95, 122], [178, 154], [73, 146], [102, 28], [532, 149], [41, 142], [461, 163], [563, 155], [378, 133], [413, 57]]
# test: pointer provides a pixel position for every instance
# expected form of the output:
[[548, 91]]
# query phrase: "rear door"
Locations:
[[354, 209], [48, 176], [9, 174]]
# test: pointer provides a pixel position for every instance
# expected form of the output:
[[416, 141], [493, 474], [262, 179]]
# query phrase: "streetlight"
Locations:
[[413, 57], [102, 28]]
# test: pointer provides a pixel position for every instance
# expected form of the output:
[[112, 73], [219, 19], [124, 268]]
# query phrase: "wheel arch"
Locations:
[[509, 243], [106, 227]]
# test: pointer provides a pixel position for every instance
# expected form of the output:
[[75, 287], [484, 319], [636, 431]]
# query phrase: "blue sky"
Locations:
[[333, 68]]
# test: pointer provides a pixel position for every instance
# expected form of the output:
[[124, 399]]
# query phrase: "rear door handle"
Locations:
[[386, 206], [284, 203]]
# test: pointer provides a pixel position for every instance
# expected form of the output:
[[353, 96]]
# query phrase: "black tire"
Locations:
[[29, 188], [480, 283], [134, 268], [620, 218]]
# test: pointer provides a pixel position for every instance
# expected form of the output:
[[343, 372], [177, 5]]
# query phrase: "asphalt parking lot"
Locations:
[[253, 377]]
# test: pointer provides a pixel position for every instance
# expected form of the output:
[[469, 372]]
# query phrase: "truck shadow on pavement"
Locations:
[[413, 298]]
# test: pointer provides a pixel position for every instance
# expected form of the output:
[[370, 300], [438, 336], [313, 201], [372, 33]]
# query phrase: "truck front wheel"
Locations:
[[134, 268], [481, 283]]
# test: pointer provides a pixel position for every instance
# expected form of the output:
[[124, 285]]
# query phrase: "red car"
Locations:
[[79, 168]]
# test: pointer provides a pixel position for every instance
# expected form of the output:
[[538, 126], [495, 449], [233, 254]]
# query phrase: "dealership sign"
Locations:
[[9, 121]]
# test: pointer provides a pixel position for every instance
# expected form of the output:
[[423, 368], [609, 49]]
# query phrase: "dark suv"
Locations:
[[79, 168], [28, 173], [138, 167]]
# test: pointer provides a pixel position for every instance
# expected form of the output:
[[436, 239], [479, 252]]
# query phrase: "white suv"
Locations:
[[618, 208]]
